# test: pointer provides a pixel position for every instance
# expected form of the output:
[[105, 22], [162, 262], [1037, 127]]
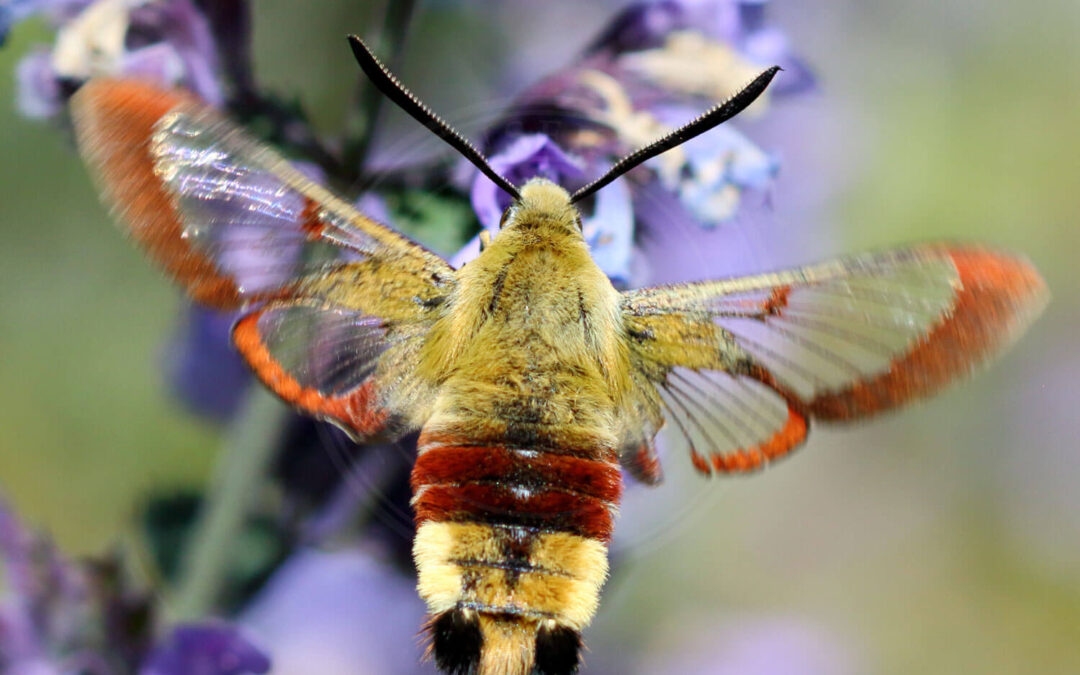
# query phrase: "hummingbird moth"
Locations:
[[533, 382]]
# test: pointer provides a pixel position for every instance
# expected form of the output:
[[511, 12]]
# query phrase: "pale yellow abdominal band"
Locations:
[[562, 584]]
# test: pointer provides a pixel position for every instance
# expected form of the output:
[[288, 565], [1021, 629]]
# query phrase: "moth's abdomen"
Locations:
[[511, 544]]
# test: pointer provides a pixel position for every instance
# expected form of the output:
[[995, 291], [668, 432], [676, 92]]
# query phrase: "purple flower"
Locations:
[[608, 229], [64, 617], [14, 11], [339, 614], [168, 42], [202, 367], [206, 649], [527, 156], [180, 32], [655, 67], [738, 26], [46, 597], [39, 92], [60, 616]]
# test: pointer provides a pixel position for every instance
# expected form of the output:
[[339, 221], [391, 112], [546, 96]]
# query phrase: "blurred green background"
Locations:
[[944, 539]]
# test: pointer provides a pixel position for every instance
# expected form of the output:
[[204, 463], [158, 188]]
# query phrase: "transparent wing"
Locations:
[[730, 423], [742, 365], [332, 362], [338, 298], [227, 217]]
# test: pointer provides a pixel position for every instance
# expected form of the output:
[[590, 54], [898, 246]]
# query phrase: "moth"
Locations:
[[533, 382]]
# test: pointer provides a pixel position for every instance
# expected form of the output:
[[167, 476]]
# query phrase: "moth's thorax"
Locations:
[[533, 301]]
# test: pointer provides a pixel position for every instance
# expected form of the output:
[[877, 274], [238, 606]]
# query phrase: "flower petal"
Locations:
[[206, 649]]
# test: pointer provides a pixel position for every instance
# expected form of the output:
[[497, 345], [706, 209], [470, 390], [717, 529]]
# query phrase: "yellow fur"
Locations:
[[532, 325], [541, 264], [508, 646], [566, 584]]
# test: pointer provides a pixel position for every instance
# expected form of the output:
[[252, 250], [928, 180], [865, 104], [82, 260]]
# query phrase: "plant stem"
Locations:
[[364, 113], [234, 489]]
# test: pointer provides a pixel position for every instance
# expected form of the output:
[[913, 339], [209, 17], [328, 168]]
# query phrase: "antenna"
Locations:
[[717, 115], [394, 90]]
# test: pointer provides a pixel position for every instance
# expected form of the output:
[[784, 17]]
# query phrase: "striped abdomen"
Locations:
[[513, 522]]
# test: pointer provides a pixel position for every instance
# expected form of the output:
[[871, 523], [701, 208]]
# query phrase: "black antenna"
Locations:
[[720, 113], [392, 88]]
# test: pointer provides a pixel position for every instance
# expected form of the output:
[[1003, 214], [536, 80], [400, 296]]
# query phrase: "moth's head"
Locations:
[[543, 203]]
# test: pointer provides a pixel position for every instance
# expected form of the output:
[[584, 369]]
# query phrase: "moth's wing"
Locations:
[[337, 298], [336, 364], [741, 366], [226, 216]]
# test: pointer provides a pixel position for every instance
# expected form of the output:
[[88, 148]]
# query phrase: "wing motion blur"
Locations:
[[238, 227], [742, 366]]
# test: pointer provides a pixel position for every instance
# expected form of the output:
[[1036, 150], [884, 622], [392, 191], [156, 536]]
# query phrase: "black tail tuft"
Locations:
[[557, 651], [456, 642]]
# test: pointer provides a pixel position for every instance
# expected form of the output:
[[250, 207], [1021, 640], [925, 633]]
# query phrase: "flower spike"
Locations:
[[713, 117]]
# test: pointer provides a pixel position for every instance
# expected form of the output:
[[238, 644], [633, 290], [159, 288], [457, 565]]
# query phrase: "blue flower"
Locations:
[[214, 648], [527, 156], [14, 11], [59, 616], [608, 229], [168, 42], [711, 172], [39, 90], [179, 45], [202, 367], [46, 597], [342, 612], [655, 67]]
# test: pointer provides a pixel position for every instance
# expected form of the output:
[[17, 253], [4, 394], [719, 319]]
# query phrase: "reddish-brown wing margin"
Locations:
[[741, 366], [232, 222]]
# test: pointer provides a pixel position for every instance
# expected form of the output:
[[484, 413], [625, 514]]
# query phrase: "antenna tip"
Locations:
[[360, 50]]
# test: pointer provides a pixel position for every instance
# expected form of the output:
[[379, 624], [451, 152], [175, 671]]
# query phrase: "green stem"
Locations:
[[364, 113], [233, 491]]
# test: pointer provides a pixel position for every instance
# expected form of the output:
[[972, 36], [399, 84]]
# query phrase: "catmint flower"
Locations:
[[607, 228], [214, 648], [14, 11], [40, 92], [528, 156], [655, 67], [61, 617], [342, 612], [168, 42], [202, 367]]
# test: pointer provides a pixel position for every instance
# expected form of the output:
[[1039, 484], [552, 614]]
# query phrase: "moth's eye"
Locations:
[[505, 217]]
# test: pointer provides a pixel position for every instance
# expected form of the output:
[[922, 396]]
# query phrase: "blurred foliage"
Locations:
[[961, 123]]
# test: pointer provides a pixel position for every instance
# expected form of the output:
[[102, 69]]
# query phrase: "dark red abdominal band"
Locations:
[[540, 489]]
